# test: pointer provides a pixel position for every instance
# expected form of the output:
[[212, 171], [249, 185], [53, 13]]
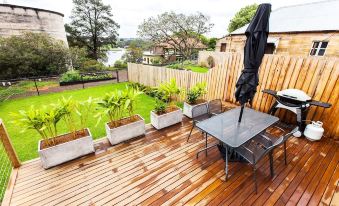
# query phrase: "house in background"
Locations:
[[306, 29], [167, 53]]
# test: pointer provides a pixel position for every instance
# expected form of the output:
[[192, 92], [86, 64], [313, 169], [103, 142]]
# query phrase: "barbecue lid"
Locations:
[[295, 94]]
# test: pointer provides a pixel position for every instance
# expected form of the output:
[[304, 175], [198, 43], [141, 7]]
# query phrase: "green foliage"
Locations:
[[78, 57], [92, 65], [170, 91], [116, 104], [157, 61], [189, 65], [182, 31], [32, 54], [120, 64], [74, 76], [212, 43], [45, 120], [242, 17], [196, 92], [70, 76], [92, 25], [133, 54], [159, 107]]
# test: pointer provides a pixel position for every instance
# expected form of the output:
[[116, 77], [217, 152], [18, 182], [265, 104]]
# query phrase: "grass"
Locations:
[[188, 65], [197, 68], [26, 144], [22, 87]]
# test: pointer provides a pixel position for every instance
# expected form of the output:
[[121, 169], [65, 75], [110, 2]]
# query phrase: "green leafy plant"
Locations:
[[196, 92], [170, 91], [116, 104], [159, 107], [45, 120]]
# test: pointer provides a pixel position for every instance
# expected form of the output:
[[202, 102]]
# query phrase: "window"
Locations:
[[223, 47], [318, 48], [270, 48]]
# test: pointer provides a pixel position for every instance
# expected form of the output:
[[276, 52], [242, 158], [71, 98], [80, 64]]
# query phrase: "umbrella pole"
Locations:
[[241, 111]]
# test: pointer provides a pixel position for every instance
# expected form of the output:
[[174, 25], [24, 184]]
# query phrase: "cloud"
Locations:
[[130, 13]]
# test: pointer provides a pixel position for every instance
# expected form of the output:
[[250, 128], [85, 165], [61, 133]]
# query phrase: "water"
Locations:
[[114, 56]]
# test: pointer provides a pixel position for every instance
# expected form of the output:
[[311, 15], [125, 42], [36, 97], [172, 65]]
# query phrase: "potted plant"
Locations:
[[192, 98], [55, 149], [116, 105], [166, 114]]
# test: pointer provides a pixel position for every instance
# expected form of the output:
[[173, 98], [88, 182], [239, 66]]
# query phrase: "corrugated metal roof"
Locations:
[[317, 16]]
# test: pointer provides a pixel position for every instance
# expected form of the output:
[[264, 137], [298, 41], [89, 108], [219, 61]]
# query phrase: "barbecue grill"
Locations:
[[296, 101]]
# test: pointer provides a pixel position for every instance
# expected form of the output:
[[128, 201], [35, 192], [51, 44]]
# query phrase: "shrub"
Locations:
[[93, 66], [210, 61], [32, 54], [196, 92], [120, 64], [70, 76]]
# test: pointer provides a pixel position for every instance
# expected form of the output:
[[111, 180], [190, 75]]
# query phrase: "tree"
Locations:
[[242, 17], [181, 31], [211, 43], [32, 54], [92, 26], [133, 54]]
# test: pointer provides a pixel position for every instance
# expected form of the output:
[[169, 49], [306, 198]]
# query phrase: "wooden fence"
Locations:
[[317, 76]]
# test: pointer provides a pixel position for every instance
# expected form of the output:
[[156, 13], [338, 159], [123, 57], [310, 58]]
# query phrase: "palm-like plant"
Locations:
[[170, 91], [196, 92]]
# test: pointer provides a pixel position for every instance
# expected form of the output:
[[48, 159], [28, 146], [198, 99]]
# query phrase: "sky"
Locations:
[[130, 13]]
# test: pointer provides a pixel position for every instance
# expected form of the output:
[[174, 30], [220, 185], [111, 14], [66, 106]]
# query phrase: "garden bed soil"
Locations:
[[168, 110], [124, 121], [199, 101], [65, 138]]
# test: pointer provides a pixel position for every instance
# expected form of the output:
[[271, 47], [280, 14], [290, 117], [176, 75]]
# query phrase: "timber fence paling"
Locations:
[[317, 76]]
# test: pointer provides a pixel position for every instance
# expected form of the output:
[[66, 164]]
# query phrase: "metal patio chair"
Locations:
[[199, 113], [215, 107], [255, 149]]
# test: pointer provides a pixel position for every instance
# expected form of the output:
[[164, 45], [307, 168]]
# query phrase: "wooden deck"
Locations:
[[161, 169]]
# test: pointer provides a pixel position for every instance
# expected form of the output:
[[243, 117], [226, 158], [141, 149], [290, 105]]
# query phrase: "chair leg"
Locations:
[[206, 144], [285, 153], [226, 162], [271, 164], [188, 138], [255, 179]]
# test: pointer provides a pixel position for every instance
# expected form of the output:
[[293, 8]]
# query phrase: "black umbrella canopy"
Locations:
[[256, 33]]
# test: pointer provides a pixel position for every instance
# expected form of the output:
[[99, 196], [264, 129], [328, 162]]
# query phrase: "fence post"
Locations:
[[4, 138], [36, 87], [117, 73]]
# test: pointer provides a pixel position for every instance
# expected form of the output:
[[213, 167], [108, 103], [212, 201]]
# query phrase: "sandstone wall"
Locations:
[[14, 20]]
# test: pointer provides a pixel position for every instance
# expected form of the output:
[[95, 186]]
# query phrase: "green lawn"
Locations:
[[26, 144], [196, 68]]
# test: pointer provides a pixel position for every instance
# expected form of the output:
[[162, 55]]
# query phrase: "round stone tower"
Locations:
[[14, 20]]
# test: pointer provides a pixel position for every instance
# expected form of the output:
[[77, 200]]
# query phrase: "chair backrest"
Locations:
[[199, 110], [215, 106], [282, 139]]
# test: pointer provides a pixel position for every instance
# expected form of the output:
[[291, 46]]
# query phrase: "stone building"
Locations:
[[306, 29], [14, 20]]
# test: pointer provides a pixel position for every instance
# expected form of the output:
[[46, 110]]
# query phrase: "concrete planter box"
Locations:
[[188, 108], [167, 119], [65, 152], [126, 132]]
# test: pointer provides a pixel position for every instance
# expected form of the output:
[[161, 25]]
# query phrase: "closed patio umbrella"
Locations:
[[256, 34]]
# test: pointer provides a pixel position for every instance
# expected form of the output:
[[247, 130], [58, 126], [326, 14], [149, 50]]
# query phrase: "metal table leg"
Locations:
[[226, 161]]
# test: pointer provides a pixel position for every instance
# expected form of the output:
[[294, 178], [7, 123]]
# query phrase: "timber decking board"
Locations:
[[161, 169]]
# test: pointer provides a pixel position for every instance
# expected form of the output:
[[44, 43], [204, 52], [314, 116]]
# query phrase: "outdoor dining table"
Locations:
[[226, 128]]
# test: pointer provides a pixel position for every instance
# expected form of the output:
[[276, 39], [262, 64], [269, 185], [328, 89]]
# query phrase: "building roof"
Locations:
[[316, 16]]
